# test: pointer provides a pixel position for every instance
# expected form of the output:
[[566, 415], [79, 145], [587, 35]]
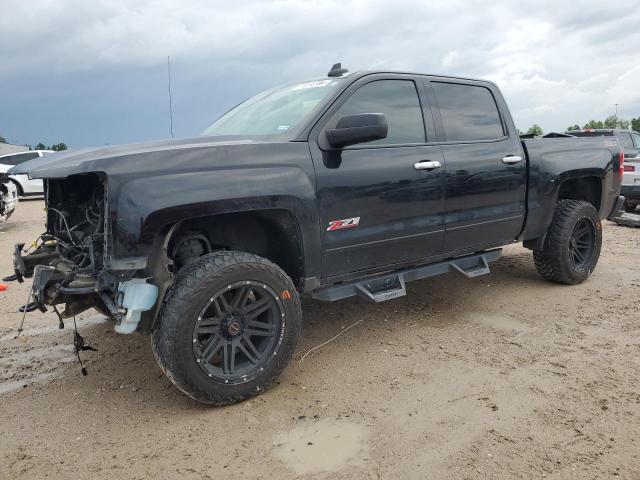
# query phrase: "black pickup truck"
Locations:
[[344, 185]]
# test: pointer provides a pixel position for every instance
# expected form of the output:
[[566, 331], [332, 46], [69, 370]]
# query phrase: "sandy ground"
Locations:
[[504, 376]]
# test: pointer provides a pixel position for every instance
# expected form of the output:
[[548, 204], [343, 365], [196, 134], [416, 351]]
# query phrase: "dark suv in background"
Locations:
[[630, 142], [629, 139]]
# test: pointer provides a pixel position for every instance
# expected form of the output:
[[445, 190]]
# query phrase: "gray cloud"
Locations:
[[94, 72]]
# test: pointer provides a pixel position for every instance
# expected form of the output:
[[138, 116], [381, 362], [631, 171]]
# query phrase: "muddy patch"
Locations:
[[22, 368], [323, 446], [51, 329]]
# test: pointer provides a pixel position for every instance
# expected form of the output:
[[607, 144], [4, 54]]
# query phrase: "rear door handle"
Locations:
[[511, 159], [427, 165]]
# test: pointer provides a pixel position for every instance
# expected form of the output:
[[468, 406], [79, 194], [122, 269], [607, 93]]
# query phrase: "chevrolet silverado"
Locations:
[[333, 187]]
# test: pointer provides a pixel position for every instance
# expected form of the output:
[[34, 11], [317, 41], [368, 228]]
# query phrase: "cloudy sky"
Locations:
[[94, 72]]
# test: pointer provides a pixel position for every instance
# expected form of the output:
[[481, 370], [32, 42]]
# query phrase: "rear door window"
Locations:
[[398, 100], [636, 140], [469, 112]]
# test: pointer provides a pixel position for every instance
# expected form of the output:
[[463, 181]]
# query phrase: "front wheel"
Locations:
[[229, 327], [572, 245]]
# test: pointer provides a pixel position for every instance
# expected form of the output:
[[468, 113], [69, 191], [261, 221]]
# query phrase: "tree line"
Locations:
[[610, 122], [58, 147]]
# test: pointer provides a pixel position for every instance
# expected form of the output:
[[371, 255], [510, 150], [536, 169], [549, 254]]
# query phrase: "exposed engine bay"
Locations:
[[69, 262], [67, 258], [75, 227]]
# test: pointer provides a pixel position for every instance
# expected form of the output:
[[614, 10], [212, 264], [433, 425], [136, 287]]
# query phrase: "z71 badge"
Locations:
[[345, 223]]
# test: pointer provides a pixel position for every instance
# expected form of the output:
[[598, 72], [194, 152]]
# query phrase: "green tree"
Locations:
[[594, 124], [41, 146], [58, 147], [635, 124], [3, 140], [573, 127], [535, 130], [615, 122]]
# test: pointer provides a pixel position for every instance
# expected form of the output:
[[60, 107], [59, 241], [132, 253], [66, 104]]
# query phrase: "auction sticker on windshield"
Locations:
[[314, 84]]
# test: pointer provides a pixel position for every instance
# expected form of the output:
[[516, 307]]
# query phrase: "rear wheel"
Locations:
[[229, 326], [572, 246]]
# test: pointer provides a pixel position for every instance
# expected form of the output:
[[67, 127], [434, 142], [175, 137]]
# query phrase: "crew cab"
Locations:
[[333, 187]]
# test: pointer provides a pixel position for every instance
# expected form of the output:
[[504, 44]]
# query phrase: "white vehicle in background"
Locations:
[[631, 182], [25, 185], [8, 197]]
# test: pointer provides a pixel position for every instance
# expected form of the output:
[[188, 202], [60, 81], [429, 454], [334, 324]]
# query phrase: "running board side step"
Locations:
[[392, 285]]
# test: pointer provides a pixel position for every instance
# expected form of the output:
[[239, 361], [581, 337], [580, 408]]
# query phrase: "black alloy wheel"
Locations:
[[238, 331], [572, 243], [582, 243], [228, 327]]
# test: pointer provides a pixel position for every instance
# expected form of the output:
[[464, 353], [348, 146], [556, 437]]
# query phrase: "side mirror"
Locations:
[[360, 128]]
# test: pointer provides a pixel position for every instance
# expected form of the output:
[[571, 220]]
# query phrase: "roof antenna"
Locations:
[[337, 70], [170, 106]]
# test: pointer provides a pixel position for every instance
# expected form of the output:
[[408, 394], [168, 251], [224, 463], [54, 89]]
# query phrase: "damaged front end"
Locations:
[[71, 261]]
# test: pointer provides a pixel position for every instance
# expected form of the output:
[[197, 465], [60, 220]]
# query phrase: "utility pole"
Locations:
[[616, 110], [170, 106]]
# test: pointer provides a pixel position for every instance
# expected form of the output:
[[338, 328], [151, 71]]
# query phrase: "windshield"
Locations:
[[273, 111]]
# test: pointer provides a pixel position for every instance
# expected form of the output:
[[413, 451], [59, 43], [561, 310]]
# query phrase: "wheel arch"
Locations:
[[274, 234], [572, 185], [18, 186], [587, 188]]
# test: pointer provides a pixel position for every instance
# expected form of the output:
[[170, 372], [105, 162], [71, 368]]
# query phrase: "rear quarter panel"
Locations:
[[553, 161]]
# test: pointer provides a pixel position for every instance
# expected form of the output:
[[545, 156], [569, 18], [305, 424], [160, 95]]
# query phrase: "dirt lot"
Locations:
[[503, 376]]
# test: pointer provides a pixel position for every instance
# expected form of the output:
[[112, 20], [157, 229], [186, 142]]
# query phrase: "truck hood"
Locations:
[[108, 159]]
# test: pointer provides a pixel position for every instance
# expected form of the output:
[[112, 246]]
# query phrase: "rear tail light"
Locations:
[[629, 168], [621, 164]]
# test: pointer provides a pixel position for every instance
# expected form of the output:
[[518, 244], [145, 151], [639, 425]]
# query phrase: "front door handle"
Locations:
[[511, 159], [427, 165]]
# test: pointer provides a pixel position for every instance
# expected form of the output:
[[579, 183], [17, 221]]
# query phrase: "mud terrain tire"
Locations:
[[177, 339], [572, 245]]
